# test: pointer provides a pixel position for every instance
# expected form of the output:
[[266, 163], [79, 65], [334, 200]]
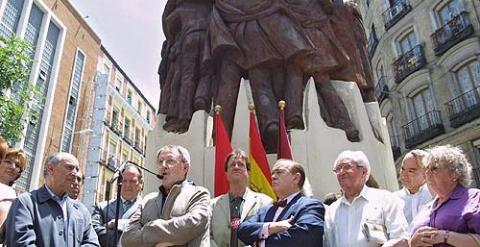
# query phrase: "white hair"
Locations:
[[454, 159], [358, 157]]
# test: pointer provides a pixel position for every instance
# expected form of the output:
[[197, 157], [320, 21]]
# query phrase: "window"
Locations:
[[112, 151], [11, 17], [450, 10], [77, 75], [148, 116], [118, 82], [408, 42], [422, 103], [106, 71], [137, 137], [392, 130], [42, 84], [129, 96], [139, 107], [127, 128], [468, 82], [115, 117]]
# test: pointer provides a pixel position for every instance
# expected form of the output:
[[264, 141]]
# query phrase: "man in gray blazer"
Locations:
[[178, 214], [232, 208], [47, 216], [103, 217]]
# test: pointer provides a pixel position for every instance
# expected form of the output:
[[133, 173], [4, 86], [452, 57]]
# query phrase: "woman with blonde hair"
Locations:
[[453, 217]]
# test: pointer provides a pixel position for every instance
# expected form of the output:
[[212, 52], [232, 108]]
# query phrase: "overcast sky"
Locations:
[[131, 31]]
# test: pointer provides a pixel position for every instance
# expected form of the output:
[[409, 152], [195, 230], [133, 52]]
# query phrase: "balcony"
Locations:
[[128, 140], [464, 108], [423, 128], [381, 89], [372, 44], [395, 143], [408, 63], [395, 13], [115, 127], [454, 31]]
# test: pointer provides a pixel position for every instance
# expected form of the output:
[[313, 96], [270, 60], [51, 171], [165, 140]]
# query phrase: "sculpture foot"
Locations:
[[353, 134], [295, 122], [270, 138]]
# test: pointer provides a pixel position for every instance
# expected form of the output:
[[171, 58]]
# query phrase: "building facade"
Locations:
[[425, 55], [122, 119], [64, 53]]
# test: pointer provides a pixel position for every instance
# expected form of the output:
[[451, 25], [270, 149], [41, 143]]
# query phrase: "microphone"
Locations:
[[122, 167], [117, 172]]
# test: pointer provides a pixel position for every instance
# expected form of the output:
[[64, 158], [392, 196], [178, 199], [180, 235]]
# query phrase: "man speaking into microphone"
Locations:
[[178, 214]]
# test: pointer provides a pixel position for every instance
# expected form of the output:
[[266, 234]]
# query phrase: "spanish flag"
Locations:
[[222, 148], [260, 176], [284, 150]]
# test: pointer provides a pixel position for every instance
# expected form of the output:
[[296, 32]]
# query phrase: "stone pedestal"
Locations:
[[316, 147]]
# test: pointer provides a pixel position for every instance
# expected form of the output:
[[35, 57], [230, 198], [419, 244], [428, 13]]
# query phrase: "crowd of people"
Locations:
[[435, 207]]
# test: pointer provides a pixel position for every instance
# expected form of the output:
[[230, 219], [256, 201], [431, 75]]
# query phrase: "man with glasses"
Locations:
[[176, 215], [240, 203], [363, 216], [47, 216], [103, 218]]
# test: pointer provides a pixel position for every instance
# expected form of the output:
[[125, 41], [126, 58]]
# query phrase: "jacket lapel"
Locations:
[[224, 205], [248, 204], [286, 210]]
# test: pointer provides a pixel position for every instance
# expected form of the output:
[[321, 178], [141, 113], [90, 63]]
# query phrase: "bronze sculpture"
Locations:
[[276, 44]]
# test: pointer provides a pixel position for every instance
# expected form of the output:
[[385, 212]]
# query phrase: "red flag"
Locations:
[[260, 175], [222, 148], [284, 150]]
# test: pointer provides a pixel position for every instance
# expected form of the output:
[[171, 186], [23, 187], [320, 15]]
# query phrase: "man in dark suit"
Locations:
[[47, 216], [294, 220], [103, 217]]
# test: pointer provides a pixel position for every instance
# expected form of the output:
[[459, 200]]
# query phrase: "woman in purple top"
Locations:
[[453, 218]]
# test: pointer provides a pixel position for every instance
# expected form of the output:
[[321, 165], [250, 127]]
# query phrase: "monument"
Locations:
[[310, 53]]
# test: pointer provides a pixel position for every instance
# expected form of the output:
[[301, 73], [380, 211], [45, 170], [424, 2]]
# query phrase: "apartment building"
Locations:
[[122, 119], [65, 52], [425, 56]]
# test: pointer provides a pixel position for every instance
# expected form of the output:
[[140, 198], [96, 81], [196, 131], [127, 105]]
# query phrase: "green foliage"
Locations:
[[15, 70]]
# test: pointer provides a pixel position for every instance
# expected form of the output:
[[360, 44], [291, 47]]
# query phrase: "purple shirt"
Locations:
[[459, 213]]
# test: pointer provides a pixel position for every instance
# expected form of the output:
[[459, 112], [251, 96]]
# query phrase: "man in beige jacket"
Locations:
[[178, 215], [232, 208]]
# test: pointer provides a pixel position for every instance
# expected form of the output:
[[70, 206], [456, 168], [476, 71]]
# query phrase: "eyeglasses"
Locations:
[[238, 164], [344, 167], [433, 168]]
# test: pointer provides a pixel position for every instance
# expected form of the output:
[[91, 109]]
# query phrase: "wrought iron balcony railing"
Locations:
[[127, 139], [464, 108], [395, 13], [408, 63], [423, 128], [381, 89], [455, 30]]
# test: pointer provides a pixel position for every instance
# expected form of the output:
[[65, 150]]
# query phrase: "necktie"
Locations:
[[281, 203]]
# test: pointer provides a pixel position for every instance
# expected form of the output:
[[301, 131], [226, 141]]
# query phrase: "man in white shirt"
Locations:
[[415, 192], [363, 216]]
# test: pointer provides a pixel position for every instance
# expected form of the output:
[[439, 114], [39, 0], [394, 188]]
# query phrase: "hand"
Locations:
[[280, 226], [110, 224], [427, 236], [396, 243]]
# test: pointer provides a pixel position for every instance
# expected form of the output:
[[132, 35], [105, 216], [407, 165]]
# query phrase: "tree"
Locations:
[[16, 93]]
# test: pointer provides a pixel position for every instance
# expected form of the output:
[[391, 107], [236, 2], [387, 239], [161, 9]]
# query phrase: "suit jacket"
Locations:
[[36, 219], [220, 222], [183, 220], [104, 212], [306, 230]]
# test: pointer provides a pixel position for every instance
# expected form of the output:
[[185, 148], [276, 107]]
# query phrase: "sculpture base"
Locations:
[[316, 147]]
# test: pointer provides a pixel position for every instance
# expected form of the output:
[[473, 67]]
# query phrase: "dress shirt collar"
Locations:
[[364, 193], [55, 197], [290, 197]]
